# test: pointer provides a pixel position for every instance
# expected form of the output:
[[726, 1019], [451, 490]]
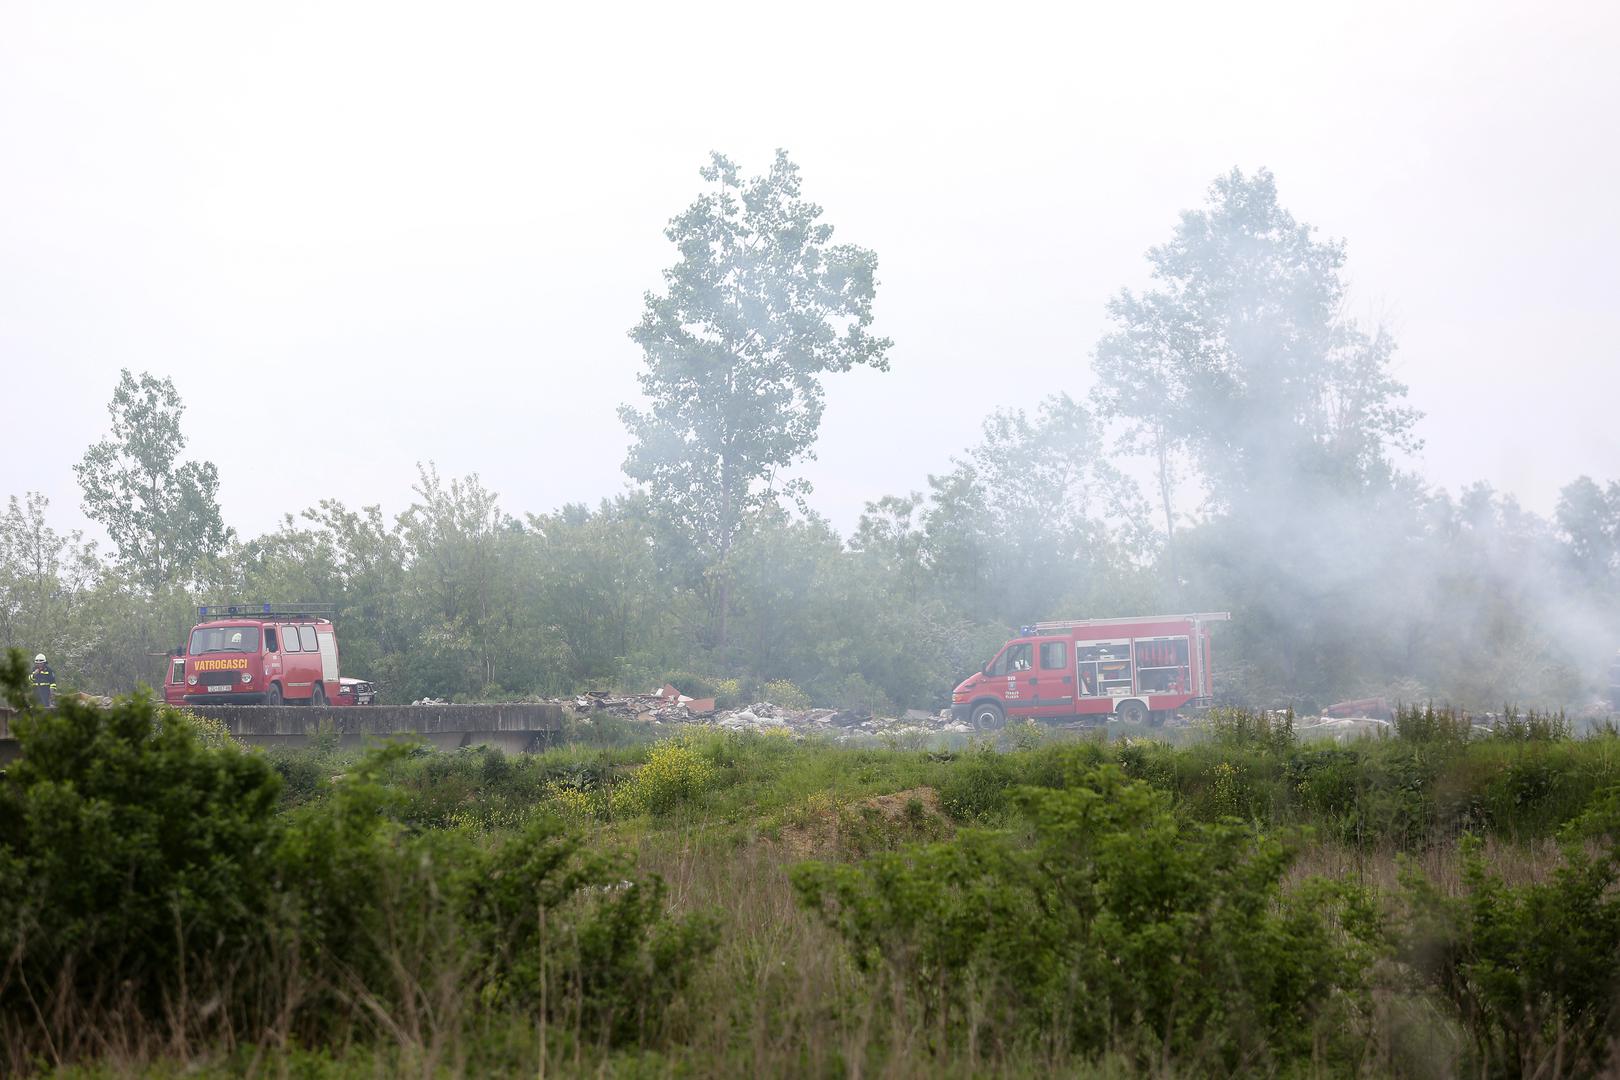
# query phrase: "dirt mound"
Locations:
[[824, 828]]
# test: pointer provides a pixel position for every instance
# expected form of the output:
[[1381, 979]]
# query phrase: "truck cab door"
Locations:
[[272, 655], [1054, 678], [1013, 678]]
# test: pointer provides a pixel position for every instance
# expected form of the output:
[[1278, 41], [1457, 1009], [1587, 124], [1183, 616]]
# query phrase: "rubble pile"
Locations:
[[663, 706], [668, 705]]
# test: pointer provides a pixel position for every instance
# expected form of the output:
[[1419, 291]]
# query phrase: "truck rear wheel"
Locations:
[[1132, 712], [988, 716], [318, 695]]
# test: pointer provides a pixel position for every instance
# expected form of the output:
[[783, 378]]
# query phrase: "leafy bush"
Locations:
[[146, 878], [558, 925], [1431, 725], [132, 850], [1243, 728], [1119, 926], [674, 773], [1532, 726], [1533, 971], [784, 693], [975, 789]]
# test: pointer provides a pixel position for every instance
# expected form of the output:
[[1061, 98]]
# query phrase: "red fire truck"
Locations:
[[1140, 668], [262, 655]]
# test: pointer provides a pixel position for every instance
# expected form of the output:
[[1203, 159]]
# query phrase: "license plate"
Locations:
[[218, 689]]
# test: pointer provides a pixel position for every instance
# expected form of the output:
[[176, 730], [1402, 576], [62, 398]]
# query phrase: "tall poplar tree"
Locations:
[[161, 514], [760, 305]]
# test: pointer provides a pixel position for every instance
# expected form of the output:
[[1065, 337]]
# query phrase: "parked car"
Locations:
[[355, 692]]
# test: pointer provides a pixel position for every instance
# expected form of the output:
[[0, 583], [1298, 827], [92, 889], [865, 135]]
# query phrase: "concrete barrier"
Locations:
[[515, 729]]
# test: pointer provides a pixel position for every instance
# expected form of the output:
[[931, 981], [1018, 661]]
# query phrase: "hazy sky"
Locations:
[[359, 236]]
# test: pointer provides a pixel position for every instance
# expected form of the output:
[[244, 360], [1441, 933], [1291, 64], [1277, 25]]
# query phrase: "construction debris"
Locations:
[[667, 705]]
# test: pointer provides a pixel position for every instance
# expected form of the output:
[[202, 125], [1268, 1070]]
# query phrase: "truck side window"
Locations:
[[269, 639], [1054, 655], [1014, 658], [289, 639], [306, 638]]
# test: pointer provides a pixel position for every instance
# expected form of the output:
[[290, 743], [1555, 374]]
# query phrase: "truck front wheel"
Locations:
[[273, 695], [988, 716]]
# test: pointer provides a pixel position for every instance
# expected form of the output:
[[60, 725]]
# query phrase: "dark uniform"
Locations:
[[44, 683]]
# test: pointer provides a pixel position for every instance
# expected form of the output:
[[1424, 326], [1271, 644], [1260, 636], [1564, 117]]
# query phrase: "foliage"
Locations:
[[759, 307], [131, 850], [146, 874], [1533, 969], [1236, 370], [1118, 922], [674, 773], [1100, 909], [162, 515], [45, 580], [784, 693], [1242, 351], [1037, 514]]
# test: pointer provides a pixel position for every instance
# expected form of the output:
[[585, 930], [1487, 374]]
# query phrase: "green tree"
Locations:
[[161, 514], [891, 539], [463, 552], [1241, 351], [591, 581], [44, 580], [1238, 367], [1589, 517], [760, 305], [1037, 514]]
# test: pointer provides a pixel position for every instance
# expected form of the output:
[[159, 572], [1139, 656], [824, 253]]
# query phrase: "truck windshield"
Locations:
[[224, 639]]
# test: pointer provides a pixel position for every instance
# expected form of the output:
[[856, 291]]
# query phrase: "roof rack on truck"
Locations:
[[266, 611], [1070, 624]]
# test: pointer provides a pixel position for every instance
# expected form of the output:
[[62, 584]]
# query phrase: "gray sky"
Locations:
[[421, 232]]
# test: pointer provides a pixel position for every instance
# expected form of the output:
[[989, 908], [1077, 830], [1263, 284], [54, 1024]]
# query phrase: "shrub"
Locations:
[[1532, 970], [148, 884], [1120, 925], [675, 772], [1431, 725], [132, 849], [578, 931], [1259, 730], [1532, 727], [975, 789], [784, 693], [727, 693]]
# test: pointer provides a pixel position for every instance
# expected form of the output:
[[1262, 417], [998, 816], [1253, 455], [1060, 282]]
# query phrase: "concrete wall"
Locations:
[[515, 729]]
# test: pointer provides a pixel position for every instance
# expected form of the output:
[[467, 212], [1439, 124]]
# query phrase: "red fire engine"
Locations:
[[262, 655], [1140, 668]]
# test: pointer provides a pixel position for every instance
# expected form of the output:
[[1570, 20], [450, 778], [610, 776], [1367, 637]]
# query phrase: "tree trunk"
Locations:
[[723, 592], [1169, 517]]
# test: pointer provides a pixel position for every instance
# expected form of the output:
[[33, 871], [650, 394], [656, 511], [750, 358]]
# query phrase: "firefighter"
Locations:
[[44, 681]]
